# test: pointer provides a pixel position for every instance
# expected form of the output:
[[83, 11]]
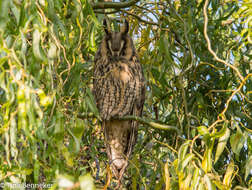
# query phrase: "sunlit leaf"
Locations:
[[228, 175], [248, 167], [92, 44], [208, 183], [52, 52], [13, 138], [37, 50], [65, 181], [186, 160], [36, 171], [91, 103], [207, 159], [67, 155], [222, 144], [237, 141], [4, 7], [203, 130], [183, 150], [167, 176], [86, 182], [196, 178]]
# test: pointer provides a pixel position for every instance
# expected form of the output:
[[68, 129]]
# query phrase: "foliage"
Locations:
[[197, 61]]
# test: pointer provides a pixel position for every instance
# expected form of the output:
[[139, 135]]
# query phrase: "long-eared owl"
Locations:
[[119, 90]]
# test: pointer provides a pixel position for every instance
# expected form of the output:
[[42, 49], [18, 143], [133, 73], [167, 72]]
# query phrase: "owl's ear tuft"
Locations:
[[125, 27], [106, 26]]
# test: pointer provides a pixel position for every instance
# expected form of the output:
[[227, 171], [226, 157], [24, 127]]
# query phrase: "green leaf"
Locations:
[[24, 45], [163, 43], [36, 171], [207, 159], [65, 181], [219, 185], [91, 103], [57, 22], [13, 138], [203, 130], [208, 182], [228, 175], [186, 160], [237, 141], [183, 150], [76, 140], [4, 8], [59, 127], [221, 132], [88, 11], [196, 178], [67, 155], [15, 11], [92, 44], [249, 141], [37, 51], [52, 52], [222, 143], [87, 182], [248, 167]]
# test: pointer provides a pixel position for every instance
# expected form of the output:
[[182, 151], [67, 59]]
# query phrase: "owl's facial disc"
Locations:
[[116, 44]]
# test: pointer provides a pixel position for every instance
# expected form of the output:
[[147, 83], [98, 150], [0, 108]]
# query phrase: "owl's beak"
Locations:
[[116, 53]]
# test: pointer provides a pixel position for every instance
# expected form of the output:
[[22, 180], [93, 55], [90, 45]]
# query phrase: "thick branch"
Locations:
[[115, 5], [145, 121], [150, 123], [107, 13]]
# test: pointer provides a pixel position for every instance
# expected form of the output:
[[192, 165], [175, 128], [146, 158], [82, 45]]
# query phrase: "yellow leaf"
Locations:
[[228, 176], [167, 176]]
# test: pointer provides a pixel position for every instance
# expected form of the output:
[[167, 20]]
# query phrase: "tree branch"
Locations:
[[139, 18], [150, 123], [107, 13], [209, 43], [145, 121], [115, 5]]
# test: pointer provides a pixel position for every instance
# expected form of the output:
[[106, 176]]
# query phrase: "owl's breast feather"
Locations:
[[122, 72]]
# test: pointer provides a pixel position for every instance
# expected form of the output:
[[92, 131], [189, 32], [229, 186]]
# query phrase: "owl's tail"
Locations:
[[117, 135]]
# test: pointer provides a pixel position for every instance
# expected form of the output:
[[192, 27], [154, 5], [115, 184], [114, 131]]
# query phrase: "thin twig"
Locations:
[[221, 117], [166, 146], [139, 18], [236, 91], [189, 67], [209, 43]]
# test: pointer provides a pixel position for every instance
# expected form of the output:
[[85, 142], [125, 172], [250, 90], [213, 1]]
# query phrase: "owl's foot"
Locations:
[[122, 171], [119, 163], [120, 175], [118, 168]]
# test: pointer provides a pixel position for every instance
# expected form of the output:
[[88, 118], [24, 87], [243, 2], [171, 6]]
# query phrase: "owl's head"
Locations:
[[116, 40]]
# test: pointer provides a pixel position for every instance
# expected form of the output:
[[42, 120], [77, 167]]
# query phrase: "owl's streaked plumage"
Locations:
[[119, 90]]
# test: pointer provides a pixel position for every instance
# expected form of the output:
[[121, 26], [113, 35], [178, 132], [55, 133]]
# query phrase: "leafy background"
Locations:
[[196, 57]]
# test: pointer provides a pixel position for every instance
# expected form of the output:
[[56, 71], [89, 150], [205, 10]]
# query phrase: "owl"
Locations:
[[119, 90]]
